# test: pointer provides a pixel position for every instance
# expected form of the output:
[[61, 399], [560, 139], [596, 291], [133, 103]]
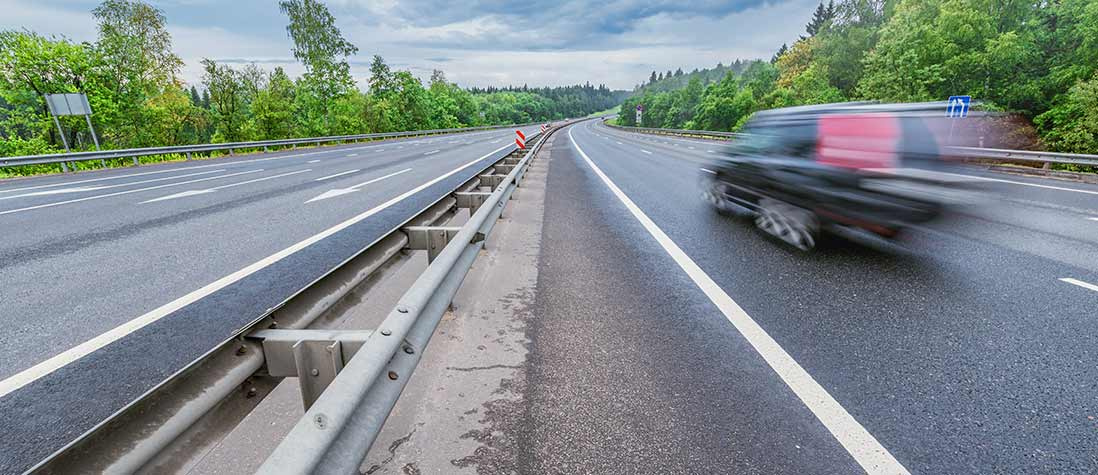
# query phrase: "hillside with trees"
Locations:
[[131, 77], [1036, 59]]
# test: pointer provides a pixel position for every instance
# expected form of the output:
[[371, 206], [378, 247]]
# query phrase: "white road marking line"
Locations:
[[184, 194], [691, 148], [1085, 285], [352, 154], [432, 152], [1023, 183], [496, 141], [862, 446], [1093, 219], [343, 191], [348, 172], [105, 187], [126, 192], [711, 151], [52, 364], [645, 151], [619, 143], [314, 161], [77, 182]]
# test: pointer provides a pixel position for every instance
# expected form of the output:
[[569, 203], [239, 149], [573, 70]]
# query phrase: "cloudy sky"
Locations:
[[476, 42]]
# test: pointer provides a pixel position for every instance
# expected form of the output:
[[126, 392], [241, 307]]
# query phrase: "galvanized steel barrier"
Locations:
[[189, 150], [350, 379]]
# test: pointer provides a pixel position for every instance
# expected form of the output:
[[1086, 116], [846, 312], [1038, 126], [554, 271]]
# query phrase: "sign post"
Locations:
[[70, 104], [957, 108], [640, 111]]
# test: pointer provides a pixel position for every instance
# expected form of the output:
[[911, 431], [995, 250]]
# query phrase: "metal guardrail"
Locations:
[[189, 150], [975, 153], [338, 429], [1025, 156], [350, 380]]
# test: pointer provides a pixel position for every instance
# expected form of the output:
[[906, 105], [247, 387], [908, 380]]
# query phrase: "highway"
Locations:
[[670, 339], [113, 280], [621, 325]]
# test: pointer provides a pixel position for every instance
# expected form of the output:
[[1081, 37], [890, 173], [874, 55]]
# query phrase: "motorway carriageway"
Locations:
[[110, 281], [666, 338]]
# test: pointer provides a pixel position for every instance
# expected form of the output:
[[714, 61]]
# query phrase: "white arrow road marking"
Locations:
[[104, 187], [343, 191], [348, 172], [184, 194], [62, 359], [119, 193], [432, 152], [858, 442], [1085, 285]]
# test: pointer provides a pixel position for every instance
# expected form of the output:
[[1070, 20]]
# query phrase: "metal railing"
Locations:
[[975, 153], [350, 380], [189, 150], [341, 425]]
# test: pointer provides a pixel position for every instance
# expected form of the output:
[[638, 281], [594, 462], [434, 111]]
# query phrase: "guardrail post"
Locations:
[[266, 149], [230, 152], [136, 162], [64, 167], [1047, 166], [188, 156]]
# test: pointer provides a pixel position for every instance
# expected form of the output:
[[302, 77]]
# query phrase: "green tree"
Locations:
[[137, 64], [320, 46]]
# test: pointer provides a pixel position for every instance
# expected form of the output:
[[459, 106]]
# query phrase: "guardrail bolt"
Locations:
[[392, 375], [252, 391], [320, 421], [315, 372], [242, 350], [402, 309], [409, 350], [386, 332]]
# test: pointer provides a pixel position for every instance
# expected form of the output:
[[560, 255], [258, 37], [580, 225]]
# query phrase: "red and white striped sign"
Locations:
[[521, 140], [543, 127]]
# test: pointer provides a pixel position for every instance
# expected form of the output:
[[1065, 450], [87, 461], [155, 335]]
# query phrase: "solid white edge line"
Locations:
[[862, 446], [58, 361], [1085, 285], [432, 152], [337, 174]]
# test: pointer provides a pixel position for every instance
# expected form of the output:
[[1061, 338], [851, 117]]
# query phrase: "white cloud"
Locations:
[[477, 43]]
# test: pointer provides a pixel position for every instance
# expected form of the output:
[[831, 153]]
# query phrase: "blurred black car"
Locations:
[[864, 167]]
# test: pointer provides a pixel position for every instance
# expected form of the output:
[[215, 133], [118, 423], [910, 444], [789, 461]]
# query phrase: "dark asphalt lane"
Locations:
[[960, 350], [632, 370], [72, 273]]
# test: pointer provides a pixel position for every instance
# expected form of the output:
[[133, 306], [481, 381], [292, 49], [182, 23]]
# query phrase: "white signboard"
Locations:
[[68, 104]]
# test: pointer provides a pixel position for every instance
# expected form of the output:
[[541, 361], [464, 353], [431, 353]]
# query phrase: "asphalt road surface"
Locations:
[[111, 281], [670, 339]]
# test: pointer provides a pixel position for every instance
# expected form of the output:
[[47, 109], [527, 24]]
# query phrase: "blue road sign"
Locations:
[[958, 106]]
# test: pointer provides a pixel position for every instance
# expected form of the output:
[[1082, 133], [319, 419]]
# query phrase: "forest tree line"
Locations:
[[1036, 59], [132, 79]]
